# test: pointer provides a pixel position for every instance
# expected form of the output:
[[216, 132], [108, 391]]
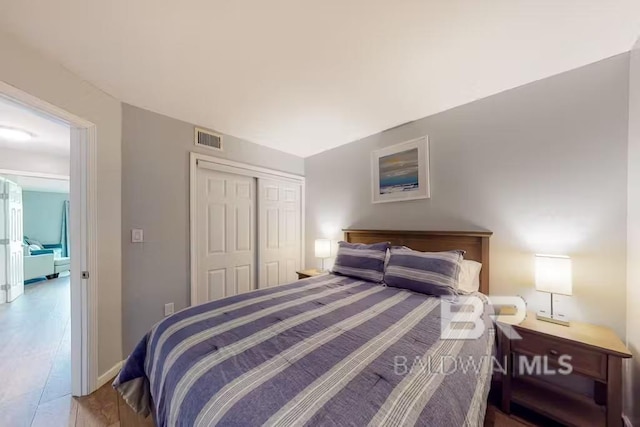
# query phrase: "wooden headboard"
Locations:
[[475, 243]]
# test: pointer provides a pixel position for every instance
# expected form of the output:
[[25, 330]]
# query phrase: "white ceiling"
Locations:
[[48, 136], [304, 76], [34, 183]]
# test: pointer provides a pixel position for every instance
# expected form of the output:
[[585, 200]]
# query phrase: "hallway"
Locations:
[[35, 355]]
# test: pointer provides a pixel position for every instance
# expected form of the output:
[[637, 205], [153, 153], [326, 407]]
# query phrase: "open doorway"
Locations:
[[35, 258], [52, 299]]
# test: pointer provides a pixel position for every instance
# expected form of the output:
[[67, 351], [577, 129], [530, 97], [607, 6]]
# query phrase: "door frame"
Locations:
[[238, 168], [83, 244]]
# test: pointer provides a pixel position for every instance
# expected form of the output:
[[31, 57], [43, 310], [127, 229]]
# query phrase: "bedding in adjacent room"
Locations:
[[329, 350]]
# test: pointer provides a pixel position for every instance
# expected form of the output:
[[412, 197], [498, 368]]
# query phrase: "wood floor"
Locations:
[[105, 408], [35, 371]]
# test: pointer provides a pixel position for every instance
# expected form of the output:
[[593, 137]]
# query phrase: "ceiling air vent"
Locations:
[[208, 139]]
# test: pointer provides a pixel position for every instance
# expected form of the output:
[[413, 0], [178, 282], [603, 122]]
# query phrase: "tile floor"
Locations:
[[35, 354]]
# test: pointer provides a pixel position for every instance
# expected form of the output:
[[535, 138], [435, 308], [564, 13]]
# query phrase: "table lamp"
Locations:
[[554, 276], [323, 249]]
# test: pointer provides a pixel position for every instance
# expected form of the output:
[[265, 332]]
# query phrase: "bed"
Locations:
[[327, 350]]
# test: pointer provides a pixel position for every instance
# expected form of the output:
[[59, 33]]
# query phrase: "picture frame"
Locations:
[[401, 172]]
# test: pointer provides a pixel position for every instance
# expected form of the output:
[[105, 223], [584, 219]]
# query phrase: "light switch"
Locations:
[[137, 235]]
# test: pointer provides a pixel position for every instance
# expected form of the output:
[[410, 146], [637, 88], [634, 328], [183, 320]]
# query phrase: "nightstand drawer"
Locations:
[[584, 361]]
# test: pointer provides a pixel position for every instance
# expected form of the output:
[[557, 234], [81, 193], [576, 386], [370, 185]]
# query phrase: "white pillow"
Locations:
[[469, 278]]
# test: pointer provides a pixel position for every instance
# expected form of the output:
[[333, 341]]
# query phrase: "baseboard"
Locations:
[[110, 374], [627, 421]]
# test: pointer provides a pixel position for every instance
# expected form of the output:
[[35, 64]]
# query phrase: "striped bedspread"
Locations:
[[328, 350]]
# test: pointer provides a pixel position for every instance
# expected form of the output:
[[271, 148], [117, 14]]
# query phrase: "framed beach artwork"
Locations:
[[401, 172]]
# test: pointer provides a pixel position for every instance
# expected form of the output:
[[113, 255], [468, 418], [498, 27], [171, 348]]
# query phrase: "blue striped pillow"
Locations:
[[361, 261], [431, 273]]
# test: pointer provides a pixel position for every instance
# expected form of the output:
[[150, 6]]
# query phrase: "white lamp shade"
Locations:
[[554, 274], [323, 248]]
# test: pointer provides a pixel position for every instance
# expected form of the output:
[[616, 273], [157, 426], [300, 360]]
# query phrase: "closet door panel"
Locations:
[[272, 274], [279, 230], [226, 250], [216, 227], [243, 278], [216, 284], [272, 228]]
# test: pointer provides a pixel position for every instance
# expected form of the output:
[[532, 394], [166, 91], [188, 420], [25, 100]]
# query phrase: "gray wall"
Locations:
[[155, 197], [42, 215], [632, 379], [543, 166], [31, 71]]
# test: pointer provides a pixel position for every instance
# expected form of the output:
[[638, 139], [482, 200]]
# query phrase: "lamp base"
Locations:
[[545, 318]]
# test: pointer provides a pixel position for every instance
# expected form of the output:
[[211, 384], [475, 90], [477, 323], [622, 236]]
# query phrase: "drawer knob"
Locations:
[[553, 352]]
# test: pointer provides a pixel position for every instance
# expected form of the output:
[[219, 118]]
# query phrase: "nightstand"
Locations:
[[593, 352], [312, 272]]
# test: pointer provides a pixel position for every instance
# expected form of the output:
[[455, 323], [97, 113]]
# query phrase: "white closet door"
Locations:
[[226, 234], [11, 253], [280, 231]]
